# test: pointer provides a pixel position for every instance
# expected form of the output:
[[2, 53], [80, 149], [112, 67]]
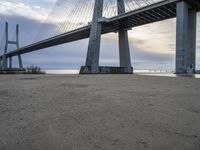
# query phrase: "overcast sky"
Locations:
[[152, 46]]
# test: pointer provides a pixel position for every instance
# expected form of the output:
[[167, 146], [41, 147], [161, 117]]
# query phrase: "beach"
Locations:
[[99, 112]]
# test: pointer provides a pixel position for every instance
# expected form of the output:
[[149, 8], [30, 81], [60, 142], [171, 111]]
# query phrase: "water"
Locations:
[[170, 75], [61, 71], [161, 73]]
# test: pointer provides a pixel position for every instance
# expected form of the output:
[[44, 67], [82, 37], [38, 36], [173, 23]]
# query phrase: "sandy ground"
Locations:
[[99, 112]]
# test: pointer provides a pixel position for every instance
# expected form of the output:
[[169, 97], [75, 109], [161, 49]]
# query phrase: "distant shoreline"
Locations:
[[164, 73]]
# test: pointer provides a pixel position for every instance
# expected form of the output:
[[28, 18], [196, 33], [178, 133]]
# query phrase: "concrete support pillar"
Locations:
[[124, 52], [191, 51], [17, 42], [5, 60], [92, 60], [185, 38], [10, 62], [5, 63], [1, 64], [20, 62]]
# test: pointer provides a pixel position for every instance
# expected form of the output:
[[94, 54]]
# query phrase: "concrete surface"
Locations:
[[124, 51], [92, 59], [99, 112], [185, 38]]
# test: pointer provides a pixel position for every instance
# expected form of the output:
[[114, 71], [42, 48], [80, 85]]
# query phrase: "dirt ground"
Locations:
[[99, 112]]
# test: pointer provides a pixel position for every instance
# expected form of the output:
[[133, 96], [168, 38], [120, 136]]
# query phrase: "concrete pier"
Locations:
[[185, 38], [5, 60], [1, 64], [191, 54], [20, 62], [17, 44], [10, 63], [92, 60], [124, 52]]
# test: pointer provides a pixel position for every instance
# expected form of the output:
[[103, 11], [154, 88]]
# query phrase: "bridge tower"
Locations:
[[92, 60], [4, 64], [124, 52], [185, 38]]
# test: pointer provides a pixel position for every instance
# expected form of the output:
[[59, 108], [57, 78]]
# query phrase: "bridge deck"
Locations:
[[153, 13]]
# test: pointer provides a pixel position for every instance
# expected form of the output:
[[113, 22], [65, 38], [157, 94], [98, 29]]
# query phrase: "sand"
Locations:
[[99, 112]]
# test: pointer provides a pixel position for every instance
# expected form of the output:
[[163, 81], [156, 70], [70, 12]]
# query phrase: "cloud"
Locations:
[[21, 9]]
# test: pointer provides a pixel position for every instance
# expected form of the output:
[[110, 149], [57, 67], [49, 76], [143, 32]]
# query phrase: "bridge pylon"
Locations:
[[124, 51], [92, 60], [7, 63], [185, 38]]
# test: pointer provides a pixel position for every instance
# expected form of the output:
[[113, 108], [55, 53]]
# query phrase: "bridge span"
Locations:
[[184, 10]]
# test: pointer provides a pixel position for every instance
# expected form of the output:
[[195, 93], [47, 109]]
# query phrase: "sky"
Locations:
[[152, 46]]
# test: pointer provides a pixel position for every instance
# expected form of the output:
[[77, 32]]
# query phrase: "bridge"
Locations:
[[185, 12]]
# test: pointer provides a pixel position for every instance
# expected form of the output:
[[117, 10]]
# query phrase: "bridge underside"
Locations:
[[157, 12]]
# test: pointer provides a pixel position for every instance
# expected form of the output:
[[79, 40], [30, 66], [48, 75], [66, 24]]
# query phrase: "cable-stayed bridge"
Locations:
[[91, 18]]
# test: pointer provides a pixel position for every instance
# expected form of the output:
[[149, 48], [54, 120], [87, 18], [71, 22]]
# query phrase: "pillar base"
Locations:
[[181, 71], [106, 70], [12, 71], [186, 71]]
